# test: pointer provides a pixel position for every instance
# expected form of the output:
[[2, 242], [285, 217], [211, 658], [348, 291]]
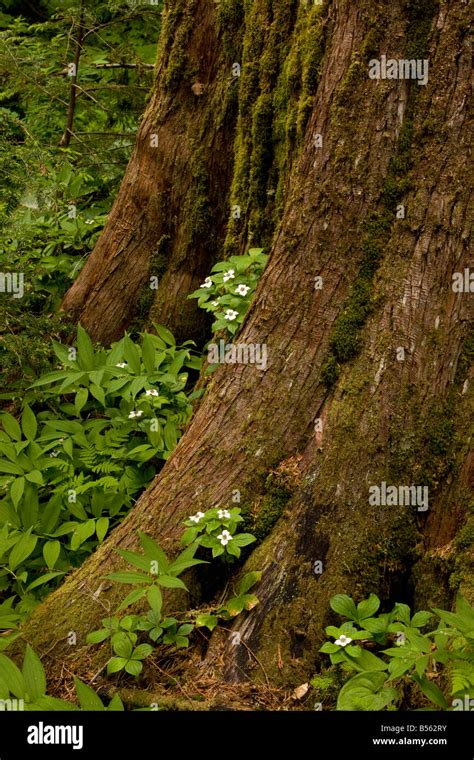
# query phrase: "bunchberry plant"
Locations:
[[229, 289]]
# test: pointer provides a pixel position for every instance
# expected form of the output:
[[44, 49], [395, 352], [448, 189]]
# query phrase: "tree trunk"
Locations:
[[376, 350]]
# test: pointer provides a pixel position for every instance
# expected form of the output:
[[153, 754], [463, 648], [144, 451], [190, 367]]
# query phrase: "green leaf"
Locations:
[[85, 351], [87, 697], [132, 355], [122, 644], [249, 580], [43, 579], [98, 393], [29, 424], [432, 691], [165, 334], [170, 435], [12, 676], [11, 426], [101, 528], [135, 559], [209, 621], [22, 549], [33, 674], [142, 651], [134, 667], [51, 551], [343, 605], [10, 468], [154, 551], [16, 490], [95, 637], [366, 691], [148, 354], [131, 598], [80, 400], [421, 618], [155, 599], [115, 704], [35, 476], [129, 577], [368, 607], [168, 581], [115, 664]]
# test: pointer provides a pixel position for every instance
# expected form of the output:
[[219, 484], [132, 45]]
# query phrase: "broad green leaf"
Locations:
[[29, 424], [43, 579], [122, 644], [168, 581], [98, 393], [35, 476], [154, 551], [95, 637], [115, 704], [101, 528], [421, 618], [134, 667], [85, 351], [16, 490], [142, 651], [51, 551], [11, 426], [12, 676], [132, 355], [87, 697], [165, 334], [22, 549], [249, 580], [368, 607], [128, 577], [131, 598], [432, 691], [80, 400], [135, 559], [155, 599], [33, 674], [343, 605], [148, 354], [209, 621], [10, 468], [115, 664]]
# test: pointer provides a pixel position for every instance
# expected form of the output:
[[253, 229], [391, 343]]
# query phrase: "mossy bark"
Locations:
[[398, 417]]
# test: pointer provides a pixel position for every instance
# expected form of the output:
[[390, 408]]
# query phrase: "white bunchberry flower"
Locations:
[[135, 414], [231, 314], [242, 290], [207, 283], [54, 453], [229, 275], [224, 537], [89, 221], [197, 517], [223, 514], [215, 303], [122, 365], [153, 392], [343, 641]]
